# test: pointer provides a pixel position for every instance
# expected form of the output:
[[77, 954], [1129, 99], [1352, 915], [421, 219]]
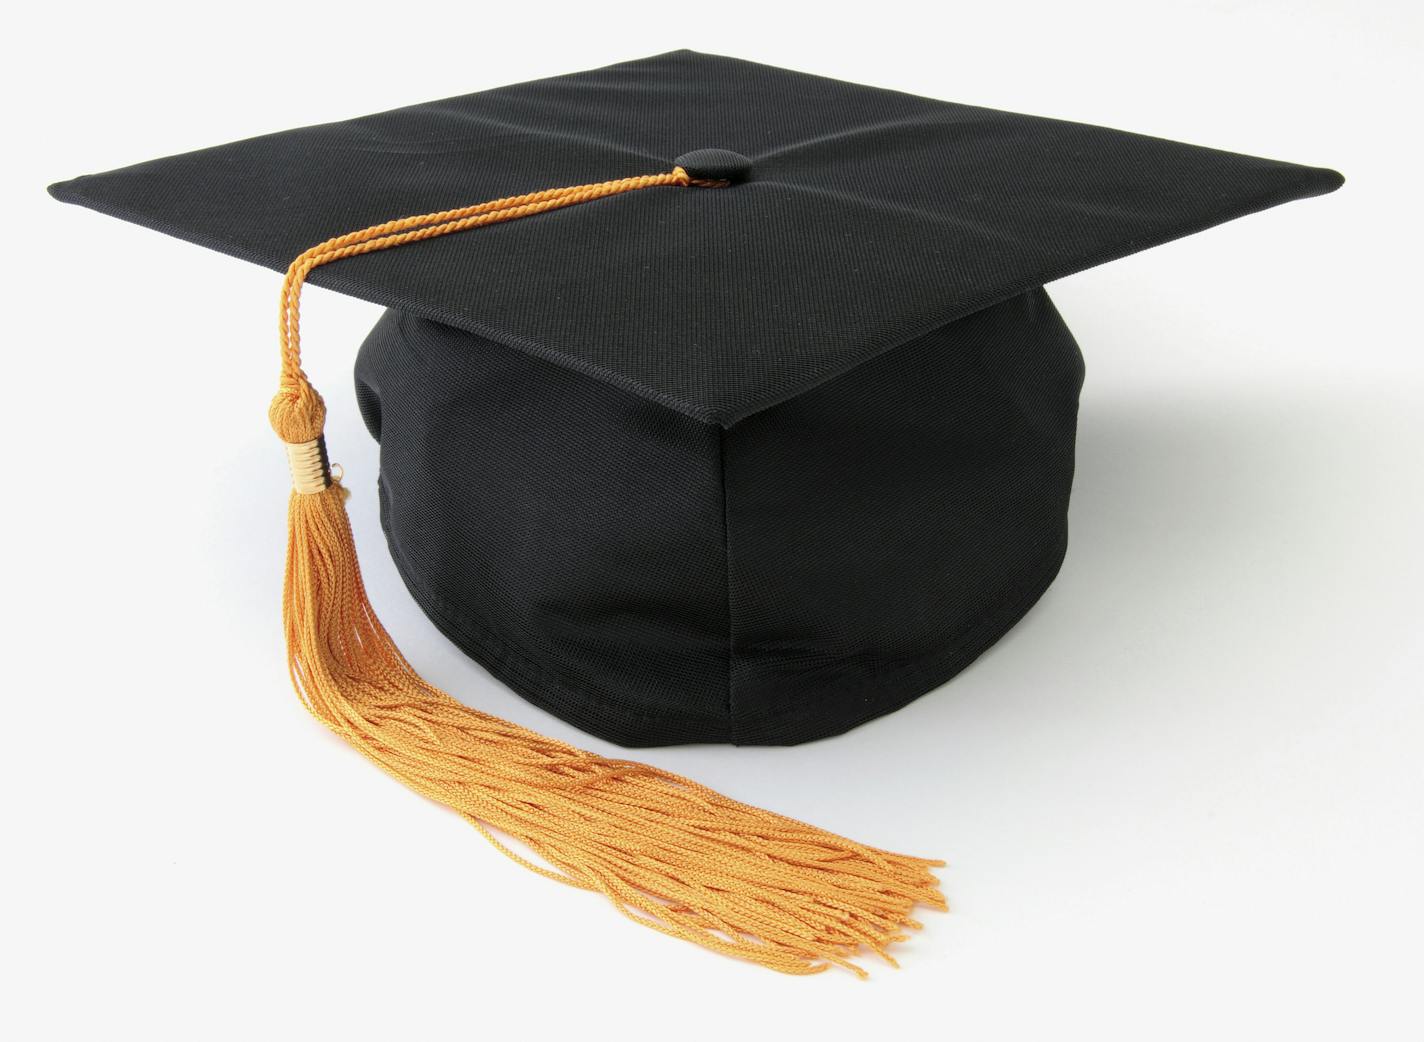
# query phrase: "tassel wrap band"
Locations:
[[311, 470]]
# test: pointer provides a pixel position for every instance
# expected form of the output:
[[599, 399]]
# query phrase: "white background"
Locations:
[[1181, 799]]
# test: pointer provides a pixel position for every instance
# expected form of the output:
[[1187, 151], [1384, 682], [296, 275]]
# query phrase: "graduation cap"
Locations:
[[737, 414]]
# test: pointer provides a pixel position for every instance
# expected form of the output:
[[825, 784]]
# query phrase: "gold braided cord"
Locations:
[[669, 853]]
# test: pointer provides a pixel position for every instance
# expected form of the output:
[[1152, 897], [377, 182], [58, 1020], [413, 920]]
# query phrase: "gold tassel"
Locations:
[[669, 853]]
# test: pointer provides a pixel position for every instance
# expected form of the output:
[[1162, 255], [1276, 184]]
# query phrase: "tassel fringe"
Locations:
[[669, 853]]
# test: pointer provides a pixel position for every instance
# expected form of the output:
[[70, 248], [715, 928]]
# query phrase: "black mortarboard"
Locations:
[[763, 430]]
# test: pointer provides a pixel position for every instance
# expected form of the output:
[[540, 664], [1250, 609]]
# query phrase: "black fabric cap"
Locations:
[[866, 218], [652, 460], [654, 579]]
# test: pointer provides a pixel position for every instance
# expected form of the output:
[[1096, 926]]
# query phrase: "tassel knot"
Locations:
[[298, 414]]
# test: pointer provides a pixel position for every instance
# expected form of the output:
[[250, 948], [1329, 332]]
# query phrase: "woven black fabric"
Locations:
[[749, 464], [868, 217], [654, 579]]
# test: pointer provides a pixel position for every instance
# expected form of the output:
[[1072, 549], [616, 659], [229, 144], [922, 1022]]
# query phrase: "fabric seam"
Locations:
[[727, 569]]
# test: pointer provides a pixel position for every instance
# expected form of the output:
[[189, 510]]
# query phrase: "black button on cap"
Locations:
[[715, 164]]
